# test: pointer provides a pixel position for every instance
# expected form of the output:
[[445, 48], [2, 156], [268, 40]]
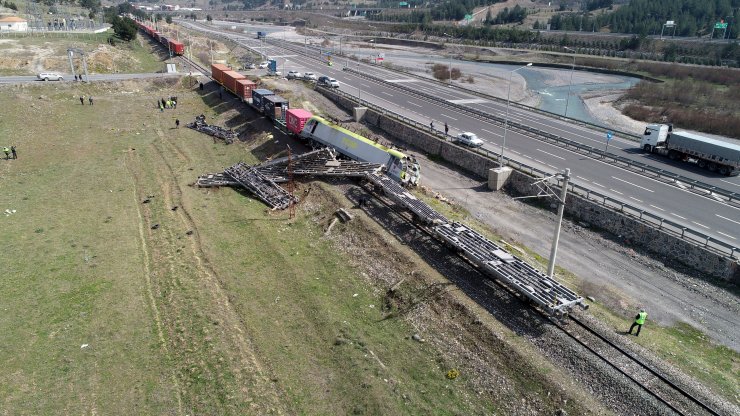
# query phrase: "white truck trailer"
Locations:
[[712, 154]]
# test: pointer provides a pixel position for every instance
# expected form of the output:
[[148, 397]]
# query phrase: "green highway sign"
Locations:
[[720, 25], [468, 17]]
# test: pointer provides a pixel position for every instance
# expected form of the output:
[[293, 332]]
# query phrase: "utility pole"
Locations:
[[556, 237]]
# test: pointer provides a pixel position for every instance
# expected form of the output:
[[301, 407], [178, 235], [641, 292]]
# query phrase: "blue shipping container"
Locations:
[[258, 101]]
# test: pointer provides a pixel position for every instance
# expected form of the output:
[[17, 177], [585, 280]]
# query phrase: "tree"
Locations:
[[124, 28], [168, 19], [209, 18]]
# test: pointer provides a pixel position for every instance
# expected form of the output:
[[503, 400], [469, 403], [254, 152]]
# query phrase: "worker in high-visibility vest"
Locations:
[[639, 321]]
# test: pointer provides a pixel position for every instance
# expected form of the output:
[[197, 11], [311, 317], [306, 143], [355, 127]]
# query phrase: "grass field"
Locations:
[[223, 308]]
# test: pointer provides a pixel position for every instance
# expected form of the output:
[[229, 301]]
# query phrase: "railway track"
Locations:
[[675, 399]]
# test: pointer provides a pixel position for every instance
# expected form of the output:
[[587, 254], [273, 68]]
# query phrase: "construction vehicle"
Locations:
[[713, 154]]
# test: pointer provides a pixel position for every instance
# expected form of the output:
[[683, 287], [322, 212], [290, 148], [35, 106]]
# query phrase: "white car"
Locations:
[[469, 139], [294, 75], [274, 74], [263, 65], [47, 76], [333, 83], [309, 76]]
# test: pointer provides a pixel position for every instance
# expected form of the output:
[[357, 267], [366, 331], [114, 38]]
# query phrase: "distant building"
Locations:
[[13, 24]]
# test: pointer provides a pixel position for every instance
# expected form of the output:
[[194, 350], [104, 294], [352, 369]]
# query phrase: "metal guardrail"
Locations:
[[567, 143], [685, 233]]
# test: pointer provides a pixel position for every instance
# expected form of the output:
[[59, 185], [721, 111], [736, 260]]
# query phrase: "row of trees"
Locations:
[[9, 5], [647, 17]]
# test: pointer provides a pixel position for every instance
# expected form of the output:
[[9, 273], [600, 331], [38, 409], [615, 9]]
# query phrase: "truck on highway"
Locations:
[[708, 153]]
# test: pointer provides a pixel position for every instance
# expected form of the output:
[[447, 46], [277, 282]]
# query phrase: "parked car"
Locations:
[[263, 65], [274, 74], [309, 76], [469, 139], [250, 66], [50, 76], [294, 75]]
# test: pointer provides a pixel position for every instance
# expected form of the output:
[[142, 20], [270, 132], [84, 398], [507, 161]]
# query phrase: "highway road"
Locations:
[[704, 214]]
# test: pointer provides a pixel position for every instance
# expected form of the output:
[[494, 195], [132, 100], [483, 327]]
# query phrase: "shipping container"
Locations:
[[295, 119], [244, 89], [258, 98], [217, 72], [275, 107], [230, 78], [177, 48]]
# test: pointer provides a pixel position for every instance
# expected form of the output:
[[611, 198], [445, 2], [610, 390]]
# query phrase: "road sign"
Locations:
[[720, 25], [609, 135], [272, 65], [468, 17], [670, 23]]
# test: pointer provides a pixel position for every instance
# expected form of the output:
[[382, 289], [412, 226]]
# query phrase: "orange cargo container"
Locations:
[[230, 78], [217, 72], [244, 88]]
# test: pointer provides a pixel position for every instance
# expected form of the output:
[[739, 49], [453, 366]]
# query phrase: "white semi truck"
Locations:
[[712, 154]]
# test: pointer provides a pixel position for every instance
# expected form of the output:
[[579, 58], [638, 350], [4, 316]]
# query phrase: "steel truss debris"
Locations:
[[227, 135]]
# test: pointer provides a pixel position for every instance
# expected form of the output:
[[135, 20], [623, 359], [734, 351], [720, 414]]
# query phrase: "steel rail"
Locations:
[[429, 232]]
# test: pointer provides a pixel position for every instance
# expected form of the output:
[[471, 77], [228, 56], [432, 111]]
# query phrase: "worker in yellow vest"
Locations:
[[639, 321]]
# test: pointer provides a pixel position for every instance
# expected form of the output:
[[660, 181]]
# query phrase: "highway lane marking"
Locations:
[[540, 150], [638, 200], [414, 104], [445, 115], [581, 177], [469, 101], [615, 191], [598, 184], [700, 225], [554, 167], [731, 183], [365, 85], [683, 218], [514, 151], [657, 207], [492, 133], [630, 183], [383, 92], [726, 235], [725, 218]]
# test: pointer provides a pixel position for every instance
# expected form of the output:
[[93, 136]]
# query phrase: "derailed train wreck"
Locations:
[[491, 259]]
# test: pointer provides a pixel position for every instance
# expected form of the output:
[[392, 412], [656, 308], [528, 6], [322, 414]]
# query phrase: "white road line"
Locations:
[[514, 151], [731, 183], [581, 177], [630, 183], [445, 115], [539, 161], [683, 218], [638, 200], [598, 184], [365, 85], [540, 150], [720, 232], [414, 104], [657, 207], [617, 192], [488, 131], [725, 218], [552, 166], [700, 225], [383, 92]]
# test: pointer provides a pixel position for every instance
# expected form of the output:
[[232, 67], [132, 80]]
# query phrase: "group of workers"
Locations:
[[170, 103], [10, 151]]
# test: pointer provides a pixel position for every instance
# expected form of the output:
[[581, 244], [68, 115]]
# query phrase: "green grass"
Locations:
[[252, 314]]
